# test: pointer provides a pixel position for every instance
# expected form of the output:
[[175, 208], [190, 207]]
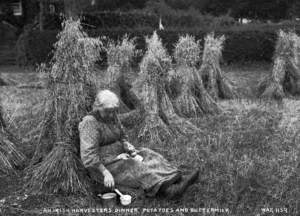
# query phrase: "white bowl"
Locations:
[[125, 200], [108, 196], [138, 158]]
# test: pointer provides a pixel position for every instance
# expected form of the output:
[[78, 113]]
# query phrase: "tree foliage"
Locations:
[[254, 9]]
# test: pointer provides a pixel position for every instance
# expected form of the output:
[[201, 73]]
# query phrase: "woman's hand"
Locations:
[[129, 148], [123, 156], [109, 181]]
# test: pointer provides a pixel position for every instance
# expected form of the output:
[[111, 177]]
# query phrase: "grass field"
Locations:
[[249, 155]]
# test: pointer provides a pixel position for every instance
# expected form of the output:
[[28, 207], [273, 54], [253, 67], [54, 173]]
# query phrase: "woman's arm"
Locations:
[[89, 149], [127, 147], [130, 119], [89, 138]]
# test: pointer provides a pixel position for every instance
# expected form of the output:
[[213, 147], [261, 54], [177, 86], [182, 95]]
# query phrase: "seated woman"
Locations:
[[111, 160]]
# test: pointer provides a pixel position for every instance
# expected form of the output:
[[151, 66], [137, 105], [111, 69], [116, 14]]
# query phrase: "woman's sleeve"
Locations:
[[89, 143], [123, 134], [130, 119]]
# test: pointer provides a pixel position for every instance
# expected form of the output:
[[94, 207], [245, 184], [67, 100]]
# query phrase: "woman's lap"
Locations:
[[149, 174]]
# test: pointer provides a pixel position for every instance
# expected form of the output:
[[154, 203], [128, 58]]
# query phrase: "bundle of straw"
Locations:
[[285, 74], [179, 126], [71, 93], [161, 122], [10, 156], [119, 58], [187, 55], [153, 128], [153, 70], [121, 52], [187, 51], [216, 83]]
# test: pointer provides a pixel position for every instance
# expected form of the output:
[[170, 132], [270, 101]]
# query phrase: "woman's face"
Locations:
[[109, 113]]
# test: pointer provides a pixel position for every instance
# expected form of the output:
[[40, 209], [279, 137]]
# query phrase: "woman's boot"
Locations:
[[174, 191]]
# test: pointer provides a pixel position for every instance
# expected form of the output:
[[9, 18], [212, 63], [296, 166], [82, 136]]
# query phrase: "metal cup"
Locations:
[[109, 200]]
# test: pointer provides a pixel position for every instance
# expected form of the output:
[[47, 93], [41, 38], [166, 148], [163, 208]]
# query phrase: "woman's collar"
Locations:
[[96, 114]]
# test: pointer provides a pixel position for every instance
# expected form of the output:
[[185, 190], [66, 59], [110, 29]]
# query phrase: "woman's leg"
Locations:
[[175, 190]]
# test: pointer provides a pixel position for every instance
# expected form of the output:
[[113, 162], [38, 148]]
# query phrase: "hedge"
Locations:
[[105, 20], [40, 45], [240, 45], [143, 19]]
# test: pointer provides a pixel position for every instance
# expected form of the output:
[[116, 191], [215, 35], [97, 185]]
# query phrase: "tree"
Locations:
[[72, 8], [294, 9], [256, 9], [41, 14], [119, 4], [218, 7]]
